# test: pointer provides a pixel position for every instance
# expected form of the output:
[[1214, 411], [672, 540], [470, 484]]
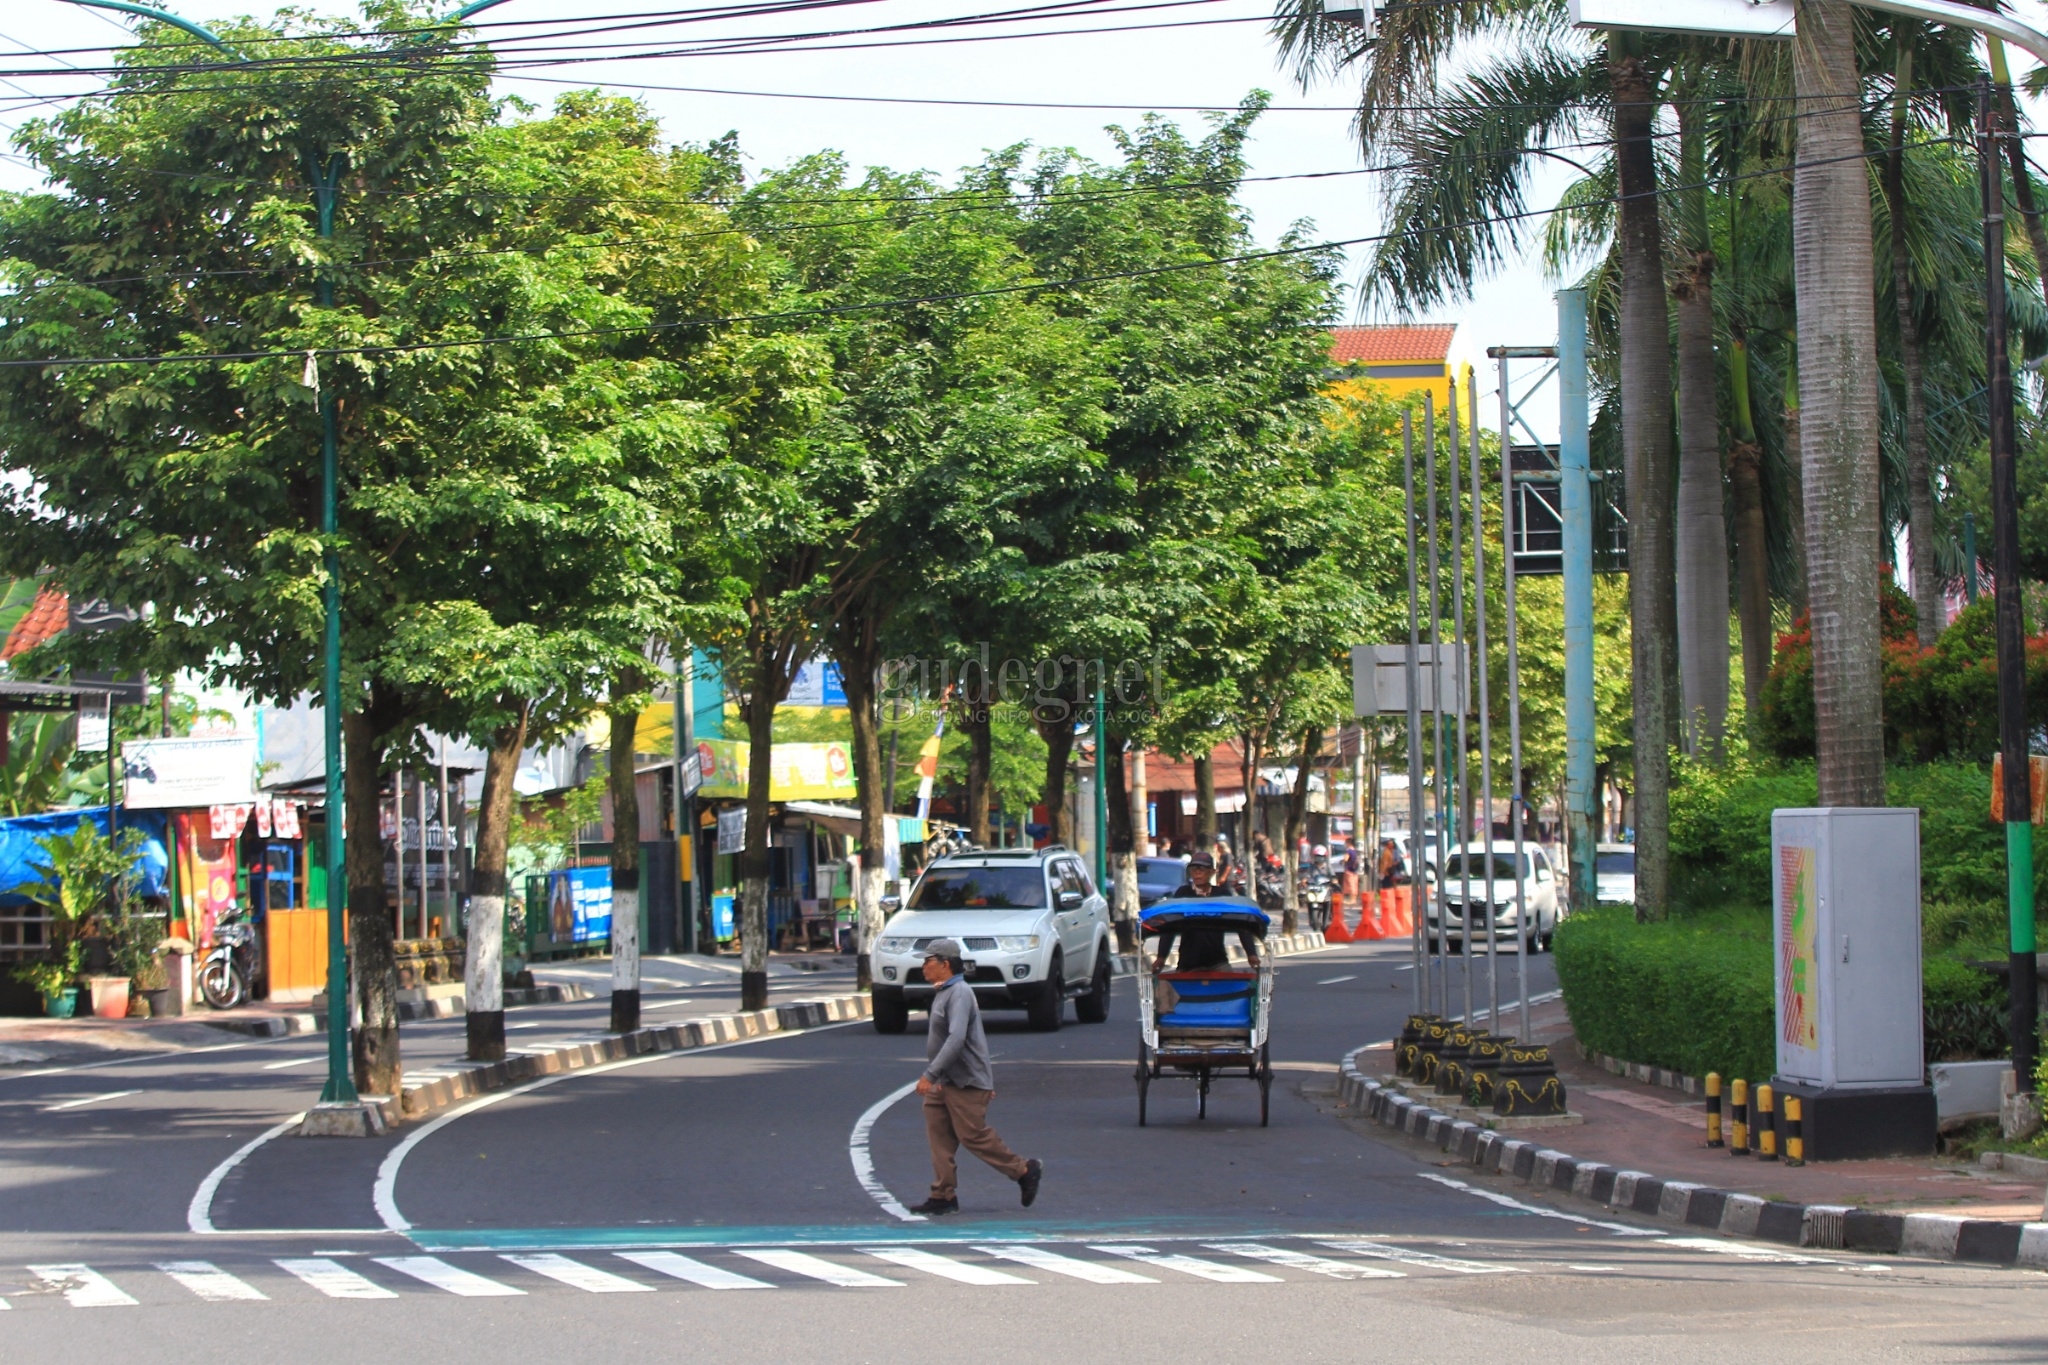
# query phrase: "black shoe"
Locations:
[[935, 1206], [1027, 1183]]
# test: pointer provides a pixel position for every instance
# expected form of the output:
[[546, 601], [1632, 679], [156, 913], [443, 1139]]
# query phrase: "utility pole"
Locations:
[[1574, 457], [2008, 616], [1101, 795]]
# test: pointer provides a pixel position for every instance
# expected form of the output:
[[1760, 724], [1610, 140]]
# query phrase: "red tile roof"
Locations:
[[1378, 345], [46, 617]]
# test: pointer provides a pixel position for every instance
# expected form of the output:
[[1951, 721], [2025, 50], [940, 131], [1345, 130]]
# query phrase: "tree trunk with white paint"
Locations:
[[483, 964], [625, 790]]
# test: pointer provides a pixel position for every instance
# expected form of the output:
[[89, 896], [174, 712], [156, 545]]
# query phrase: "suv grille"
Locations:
[[986, 945]]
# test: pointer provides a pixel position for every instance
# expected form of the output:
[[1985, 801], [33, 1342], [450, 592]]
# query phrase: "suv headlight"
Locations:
[[1017, 943], [894, 945]]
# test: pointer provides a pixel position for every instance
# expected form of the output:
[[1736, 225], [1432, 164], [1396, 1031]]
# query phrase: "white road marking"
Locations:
[[127, 1061], [818, 1268], [296, 1061], [383, 1195], [667, 1004], [532, 1023], [1193, 1265], [695, 1271], [577, 1275], [864, 1163], [1429, 1260], [335, 1281], [1745, 1251], [199, 1213], [1595, 1269], [1335, 979], [455, 1280], [82, 1286], [1038, 1258], [1494, 1197], [917, 1258], [1301, 1260], [90, 1099], [210, 1282]]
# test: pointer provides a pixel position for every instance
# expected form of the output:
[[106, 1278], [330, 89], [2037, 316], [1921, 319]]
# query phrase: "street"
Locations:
[[605, 1211]]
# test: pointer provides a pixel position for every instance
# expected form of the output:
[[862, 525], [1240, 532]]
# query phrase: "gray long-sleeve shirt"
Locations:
[[955, 1049]]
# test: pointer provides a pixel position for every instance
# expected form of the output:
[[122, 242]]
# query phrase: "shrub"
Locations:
[[1693, 994]]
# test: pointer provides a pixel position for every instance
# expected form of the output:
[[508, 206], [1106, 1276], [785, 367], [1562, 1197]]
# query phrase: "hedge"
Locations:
[[1694, 993]]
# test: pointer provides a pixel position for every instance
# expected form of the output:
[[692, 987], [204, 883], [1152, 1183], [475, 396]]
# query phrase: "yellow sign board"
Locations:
[[802, 772]]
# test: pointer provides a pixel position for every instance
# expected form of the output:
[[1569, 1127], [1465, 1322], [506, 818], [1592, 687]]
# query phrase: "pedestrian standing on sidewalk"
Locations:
[[957, 1085]]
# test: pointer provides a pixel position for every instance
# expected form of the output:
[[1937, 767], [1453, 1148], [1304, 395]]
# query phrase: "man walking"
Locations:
[[957, 1085]]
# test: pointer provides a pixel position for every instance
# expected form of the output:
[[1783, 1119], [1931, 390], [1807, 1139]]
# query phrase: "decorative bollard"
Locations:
[[1408, 1050], [1453, 1060], [1528, 1083], [1714, 1138], [1435, 1034], [1482, 1070], [1795, 1136], [1766, 1126], [1738, 1134]]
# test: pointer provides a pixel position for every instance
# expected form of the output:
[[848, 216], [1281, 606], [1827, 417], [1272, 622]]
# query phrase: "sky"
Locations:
[[1214, 62]]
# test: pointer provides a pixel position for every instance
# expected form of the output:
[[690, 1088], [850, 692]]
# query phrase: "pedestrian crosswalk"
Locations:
[[1007, 1265]]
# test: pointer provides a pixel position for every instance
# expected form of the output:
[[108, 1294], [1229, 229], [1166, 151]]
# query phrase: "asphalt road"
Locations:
[[610, 1212]]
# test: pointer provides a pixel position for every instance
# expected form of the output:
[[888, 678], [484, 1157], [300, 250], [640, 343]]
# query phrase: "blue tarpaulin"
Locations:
[[22, 860]]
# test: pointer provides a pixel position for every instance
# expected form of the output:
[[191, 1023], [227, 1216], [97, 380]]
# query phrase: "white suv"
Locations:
[[1033, 930]]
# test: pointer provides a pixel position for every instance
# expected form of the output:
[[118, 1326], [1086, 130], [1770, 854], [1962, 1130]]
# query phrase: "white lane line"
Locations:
[[818, 1268], [864, 1162], [82, 1286], [917, 1258], [577, 1275], [1745, 1251], [453, 1279], [199, 1213], [1193, 1265], [1038, 1258], [1494, 1197], [1300, 1260], [680, 1267], [384, 1193], [667, 1004], [210, 1282], [131, 1061], [1335, 979], [531, 1023], [296, 1061], [1429, 1260], [90, 1099], [334, 1280]]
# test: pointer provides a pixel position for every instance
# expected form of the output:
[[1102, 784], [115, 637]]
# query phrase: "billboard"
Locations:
[[802, 772], [580, 904], [164, 774]]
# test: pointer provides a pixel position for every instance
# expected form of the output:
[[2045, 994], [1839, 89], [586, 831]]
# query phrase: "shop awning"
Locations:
[[839, 819]]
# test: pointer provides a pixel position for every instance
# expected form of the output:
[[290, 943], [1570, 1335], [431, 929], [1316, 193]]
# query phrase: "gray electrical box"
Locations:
[[1845, 901]]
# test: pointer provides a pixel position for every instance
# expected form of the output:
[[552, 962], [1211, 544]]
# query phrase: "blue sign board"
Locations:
[[721, 918], [580, 904]]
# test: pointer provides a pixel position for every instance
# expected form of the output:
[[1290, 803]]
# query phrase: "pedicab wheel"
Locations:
[[1144, 1079], [1202, 1094], [1265, 1085]]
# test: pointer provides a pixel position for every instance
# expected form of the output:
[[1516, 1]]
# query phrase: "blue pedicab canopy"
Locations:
[[1209, 912]]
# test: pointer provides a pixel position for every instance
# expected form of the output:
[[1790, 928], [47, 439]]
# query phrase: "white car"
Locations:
[[1493, 881], [1033, 931], [1614, 872]]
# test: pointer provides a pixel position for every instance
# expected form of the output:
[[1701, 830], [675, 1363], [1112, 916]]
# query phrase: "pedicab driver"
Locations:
[[957, 1085], [1201, 948]]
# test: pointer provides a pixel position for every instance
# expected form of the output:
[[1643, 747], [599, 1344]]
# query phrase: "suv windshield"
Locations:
[[1615, 862], [1503, 867], [980, 888]]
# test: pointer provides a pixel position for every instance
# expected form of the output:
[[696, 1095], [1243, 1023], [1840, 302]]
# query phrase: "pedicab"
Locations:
[[1203, 1016]]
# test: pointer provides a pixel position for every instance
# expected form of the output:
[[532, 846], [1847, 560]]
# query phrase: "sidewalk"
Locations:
[[1634, 1126]]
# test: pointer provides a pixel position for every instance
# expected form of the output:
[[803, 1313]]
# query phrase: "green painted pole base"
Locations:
[[2024, 997]]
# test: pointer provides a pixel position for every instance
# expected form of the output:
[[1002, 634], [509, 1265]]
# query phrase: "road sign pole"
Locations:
[[1576, 496], [1516, 804], [1414, 691]]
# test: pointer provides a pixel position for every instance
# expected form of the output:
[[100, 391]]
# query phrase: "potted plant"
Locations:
[[87, 883], [56, 981], [136, 935]]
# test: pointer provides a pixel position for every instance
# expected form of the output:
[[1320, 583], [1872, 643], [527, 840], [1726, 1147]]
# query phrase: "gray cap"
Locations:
[[941, 947]]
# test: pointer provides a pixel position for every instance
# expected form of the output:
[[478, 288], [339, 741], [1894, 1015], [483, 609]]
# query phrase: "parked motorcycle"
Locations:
[[227, 977]]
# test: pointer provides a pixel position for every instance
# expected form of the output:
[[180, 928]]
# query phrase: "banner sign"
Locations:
[[580, 904], [732, 830], [186, 773], [802, 772], [817, 683]]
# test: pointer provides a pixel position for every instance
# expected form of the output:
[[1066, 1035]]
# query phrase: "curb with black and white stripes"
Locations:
[[1838, 1227]]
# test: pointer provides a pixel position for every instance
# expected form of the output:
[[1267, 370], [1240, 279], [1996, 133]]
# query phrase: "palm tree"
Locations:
[[1834, 271]]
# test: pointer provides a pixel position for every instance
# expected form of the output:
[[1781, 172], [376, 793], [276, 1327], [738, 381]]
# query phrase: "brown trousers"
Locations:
[[956, 1118]]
